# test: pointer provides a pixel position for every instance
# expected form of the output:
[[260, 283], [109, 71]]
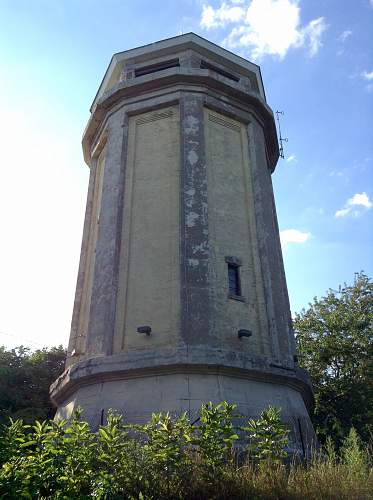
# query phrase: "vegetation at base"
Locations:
[[335, 344], [173, 459], [25, 378]]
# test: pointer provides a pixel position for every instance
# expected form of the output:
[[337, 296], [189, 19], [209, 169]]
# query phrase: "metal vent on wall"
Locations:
[[155, 116], [225, 123]]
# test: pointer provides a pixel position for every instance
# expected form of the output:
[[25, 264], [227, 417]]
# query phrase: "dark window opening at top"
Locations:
[[153, 68], [207, 65], [234, 280]]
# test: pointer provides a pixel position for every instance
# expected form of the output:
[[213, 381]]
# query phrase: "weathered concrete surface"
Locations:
[[186, 155], [177, 389], [77, 338], [130, 363], [276, 299], [106, 269], [194, 228]]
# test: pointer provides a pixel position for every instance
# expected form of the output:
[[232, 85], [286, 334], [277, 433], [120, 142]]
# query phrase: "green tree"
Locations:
[[335, 343], [25, 377]]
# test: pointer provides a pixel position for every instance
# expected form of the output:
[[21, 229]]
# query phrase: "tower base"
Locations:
[[100, 384]]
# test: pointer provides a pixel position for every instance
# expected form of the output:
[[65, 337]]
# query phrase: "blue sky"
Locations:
[[316, 58]]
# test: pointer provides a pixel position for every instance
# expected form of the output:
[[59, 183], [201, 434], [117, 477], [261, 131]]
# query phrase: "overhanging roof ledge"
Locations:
[[177, 44]]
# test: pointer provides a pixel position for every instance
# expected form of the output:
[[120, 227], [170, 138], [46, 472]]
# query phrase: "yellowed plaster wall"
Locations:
[[149, 285], [90, 261], [232, 232]]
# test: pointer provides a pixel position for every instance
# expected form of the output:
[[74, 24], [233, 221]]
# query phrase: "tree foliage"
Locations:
[[335, 342], [25, 378]]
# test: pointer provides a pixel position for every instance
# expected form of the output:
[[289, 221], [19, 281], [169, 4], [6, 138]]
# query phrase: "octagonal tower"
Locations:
[[181, 295]]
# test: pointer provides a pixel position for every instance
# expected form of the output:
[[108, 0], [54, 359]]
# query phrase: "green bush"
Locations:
[[215, 436], [267, 437], [169, 458]]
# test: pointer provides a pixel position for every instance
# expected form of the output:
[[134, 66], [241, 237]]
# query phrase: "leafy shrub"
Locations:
[[167, 446], [169, 458], [216, 436], [352, 452], [267, 437]]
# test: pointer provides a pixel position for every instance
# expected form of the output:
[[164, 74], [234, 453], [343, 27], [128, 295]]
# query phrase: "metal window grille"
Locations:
[[234, 280]]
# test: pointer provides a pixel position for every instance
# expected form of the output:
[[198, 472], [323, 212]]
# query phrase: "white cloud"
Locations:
[[353, 205], [293, 236], [344, 35], [360, 199], [265, 26], [313, 31], [291, 158], [213, 18], [343, 212], [367, 75], [336, 173]]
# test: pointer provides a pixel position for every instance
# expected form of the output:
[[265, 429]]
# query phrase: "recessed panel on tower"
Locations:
[[149, 287], [232, 233]]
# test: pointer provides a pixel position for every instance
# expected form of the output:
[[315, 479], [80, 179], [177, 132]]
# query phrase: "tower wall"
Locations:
[[180, 200]]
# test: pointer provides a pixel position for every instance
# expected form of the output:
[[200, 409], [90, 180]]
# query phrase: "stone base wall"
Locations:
[[138, 398]]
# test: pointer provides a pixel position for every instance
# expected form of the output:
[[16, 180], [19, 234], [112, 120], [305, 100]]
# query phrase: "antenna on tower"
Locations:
[[281, 139]]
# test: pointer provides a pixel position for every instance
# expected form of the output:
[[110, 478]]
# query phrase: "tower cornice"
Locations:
[[176, 46], [165, 362], [184, 79]]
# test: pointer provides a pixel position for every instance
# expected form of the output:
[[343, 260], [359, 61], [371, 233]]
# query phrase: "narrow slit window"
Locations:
[[234, 280], [207, 65], [153, 68]]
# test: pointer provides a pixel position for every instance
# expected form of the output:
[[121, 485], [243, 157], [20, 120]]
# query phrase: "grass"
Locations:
[[320, 479]]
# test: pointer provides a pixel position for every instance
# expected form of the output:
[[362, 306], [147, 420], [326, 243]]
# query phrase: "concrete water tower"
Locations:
[[181, 295]]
